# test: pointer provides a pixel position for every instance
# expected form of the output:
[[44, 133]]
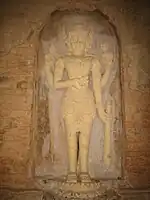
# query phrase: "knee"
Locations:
[[72, 144], [84, 144], [84, 140]]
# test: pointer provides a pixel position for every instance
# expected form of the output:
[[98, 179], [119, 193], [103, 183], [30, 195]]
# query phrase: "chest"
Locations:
[[77, 67]]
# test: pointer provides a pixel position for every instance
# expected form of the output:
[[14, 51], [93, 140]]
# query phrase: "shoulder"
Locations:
[[92, 58], [64, 58]]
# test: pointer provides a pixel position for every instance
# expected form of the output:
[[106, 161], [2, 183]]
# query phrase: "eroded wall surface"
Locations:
[[20, 27]]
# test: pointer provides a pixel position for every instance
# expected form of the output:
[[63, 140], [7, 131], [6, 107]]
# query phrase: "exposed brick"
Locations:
[[17, 78], [15, 103]]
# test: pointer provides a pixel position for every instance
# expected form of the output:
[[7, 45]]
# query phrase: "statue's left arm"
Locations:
[[99, 82], [96, 80], [105, 77]]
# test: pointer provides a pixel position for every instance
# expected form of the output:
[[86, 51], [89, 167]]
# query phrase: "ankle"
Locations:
[[85, 177], [72, 177]]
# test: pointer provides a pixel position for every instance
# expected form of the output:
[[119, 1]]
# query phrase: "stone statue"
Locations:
[[80, 103]]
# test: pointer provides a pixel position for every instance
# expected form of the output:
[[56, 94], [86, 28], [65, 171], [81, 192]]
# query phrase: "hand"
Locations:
[[79, 82]]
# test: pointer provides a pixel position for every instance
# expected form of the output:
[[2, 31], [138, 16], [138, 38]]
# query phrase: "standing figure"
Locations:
[[80, 103]]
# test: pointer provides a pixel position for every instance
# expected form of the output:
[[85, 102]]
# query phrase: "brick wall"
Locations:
[[20, 26]]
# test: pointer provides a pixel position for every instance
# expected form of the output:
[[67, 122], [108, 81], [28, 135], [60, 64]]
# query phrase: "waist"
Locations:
[[81, 88], [83, 92]]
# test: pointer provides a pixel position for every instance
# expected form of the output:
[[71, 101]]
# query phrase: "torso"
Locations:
[[80, 101], [77, 66]]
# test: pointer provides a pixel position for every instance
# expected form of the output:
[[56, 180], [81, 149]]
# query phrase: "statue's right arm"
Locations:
[[58, 75]]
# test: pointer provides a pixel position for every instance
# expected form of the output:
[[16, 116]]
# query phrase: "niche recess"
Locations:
[[50, 147]]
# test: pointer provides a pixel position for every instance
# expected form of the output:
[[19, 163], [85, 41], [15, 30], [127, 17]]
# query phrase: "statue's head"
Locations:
[[78, 40]]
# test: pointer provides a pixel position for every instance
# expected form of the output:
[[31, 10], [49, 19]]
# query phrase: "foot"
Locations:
[[72, 177], [85, 178]]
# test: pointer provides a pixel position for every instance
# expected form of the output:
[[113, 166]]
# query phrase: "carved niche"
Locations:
[[78, 91]]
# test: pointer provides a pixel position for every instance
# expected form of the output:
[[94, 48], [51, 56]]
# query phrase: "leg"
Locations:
[[84, 140], [72, 154]]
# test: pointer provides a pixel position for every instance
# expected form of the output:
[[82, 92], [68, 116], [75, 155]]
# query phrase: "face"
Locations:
[[77, 42]]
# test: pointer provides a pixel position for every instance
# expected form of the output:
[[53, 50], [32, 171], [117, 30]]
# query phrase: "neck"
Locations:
[[76, 55]]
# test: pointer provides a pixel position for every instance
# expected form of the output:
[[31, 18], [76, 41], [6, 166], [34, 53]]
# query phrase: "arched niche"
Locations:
[[50, 145]]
